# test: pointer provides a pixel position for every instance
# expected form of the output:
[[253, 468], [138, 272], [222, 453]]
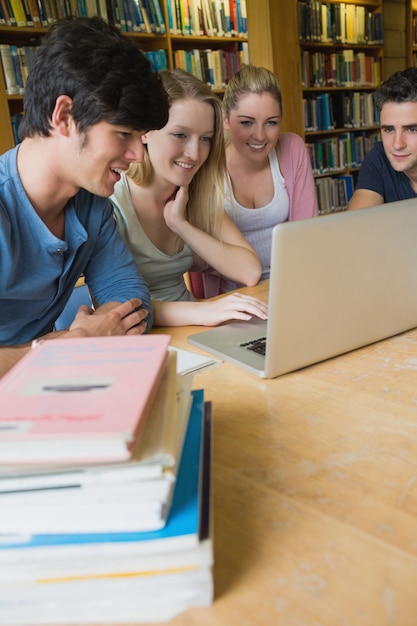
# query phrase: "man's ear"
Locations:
[[61, 115]]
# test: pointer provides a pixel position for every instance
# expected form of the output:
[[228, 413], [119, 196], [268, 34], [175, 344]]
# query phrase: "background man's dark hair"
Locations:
[[105, 74], [400, 87]]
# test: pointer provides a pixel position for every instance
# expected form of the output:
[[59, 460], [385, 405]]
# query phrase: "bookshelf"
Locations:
[[333, 112], [220, 52]]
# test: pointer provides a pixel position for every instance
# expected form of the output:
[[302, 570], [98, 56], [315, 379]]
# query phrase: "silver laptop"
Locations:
[[338, 282]]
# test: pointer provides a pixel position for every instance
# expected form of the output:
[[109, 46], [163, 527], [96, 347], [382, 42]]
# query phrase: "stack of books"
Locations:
[[105, 517]]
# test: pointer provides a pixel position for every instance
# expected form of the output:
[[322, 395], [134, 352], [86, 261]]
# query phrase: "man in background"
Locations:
[[90, 96], [389, 171]]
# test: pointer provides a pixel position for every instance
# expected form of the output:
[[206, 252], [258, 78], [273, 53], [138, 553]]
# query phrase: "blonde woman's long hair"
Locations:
[[205, 206]]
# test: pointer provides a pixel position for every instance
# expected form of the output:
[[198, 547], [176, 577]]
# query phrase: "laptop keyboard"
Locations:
[[257, 345]]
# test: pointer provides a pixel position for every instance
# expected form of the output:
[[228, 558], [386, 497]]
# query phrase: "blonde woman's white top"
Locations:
[[257, 224]]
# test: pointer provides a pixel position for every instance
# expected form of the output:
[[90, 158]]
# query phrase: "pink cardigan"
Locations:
[[298, 175]]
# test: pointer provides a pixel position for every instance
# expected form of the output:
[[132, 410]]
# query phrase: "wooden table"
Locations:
[[315, 491]]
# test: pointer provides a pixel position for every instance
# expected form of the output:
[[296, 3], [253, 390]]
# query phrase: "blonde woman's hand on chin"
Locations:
[[175, 210]]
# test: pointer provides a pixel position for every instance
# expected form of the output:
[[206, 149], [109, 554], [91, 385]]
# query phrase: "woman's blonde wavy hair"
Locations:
[[206, 196]]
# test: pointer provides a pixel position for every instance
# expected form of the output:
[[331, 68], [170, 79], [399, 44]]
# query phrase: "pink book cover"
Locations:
[[92, 389]]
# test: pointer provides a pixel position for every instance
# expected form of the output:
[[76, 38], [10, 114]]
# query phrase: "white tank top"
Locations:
[[257, 224]]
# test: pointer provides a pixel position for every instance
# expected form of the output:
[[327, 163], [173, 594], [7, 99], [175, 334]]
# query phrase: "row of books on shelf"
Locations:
[[129, 15], [104, 485], [341, 22], [344, 151], [334, 193], [140, 16], [210, 18], [16, 60], [352, 109], [344, 68], [214, 67], [43, 13]]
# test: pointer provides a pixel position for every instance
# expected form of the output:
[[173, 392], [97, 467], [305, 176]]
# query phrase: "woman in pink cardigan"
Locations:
[[269, 178]]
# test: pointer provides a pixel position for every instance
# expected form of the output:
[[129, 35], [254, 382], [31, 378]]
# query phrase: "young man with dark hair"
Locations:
[[389, 171], [90, 96]]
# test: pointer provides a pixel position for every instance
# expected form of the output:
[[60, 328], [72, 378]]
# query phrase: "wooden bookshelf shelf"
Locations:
[[359, 87], [338, 131]]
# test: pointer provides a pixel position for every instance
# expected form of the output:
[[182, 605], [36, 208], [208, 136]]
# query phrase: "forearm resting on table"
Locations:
[[176, 313], [364, 198], [211, 312]]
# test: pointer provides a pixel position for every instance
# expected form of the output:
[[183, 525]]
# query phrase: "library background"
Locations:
[[328, 56]]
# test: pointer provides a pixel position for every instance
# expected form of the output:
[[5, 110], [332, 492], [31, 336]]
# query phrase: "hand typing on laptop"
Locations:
[[235, 306]]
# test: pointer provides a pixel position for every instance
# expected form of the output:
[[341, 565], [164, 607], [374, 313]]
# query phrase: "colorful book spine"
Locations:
[[185, 17], [207, 20], [42, 13], [128, 11], [244, 19], [233, 17], [159, 17], [18, 12], [226, 12], [171, 26], [17, 68], [151, 16], [28, 14], [121, 14], [12, 87], [5, 13], [10, 12], [138, 22], [158, 59], [34, 13], [219, 18], [146, 17]]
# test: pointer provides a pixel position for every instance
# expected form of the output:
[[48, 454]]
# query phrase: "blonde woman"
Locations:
[[170, 211], [269, 172]]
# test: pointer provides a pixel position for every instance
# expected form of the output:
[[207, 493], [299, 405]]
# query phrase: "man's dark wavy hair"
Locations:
[[105, 74], [400, 87]]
